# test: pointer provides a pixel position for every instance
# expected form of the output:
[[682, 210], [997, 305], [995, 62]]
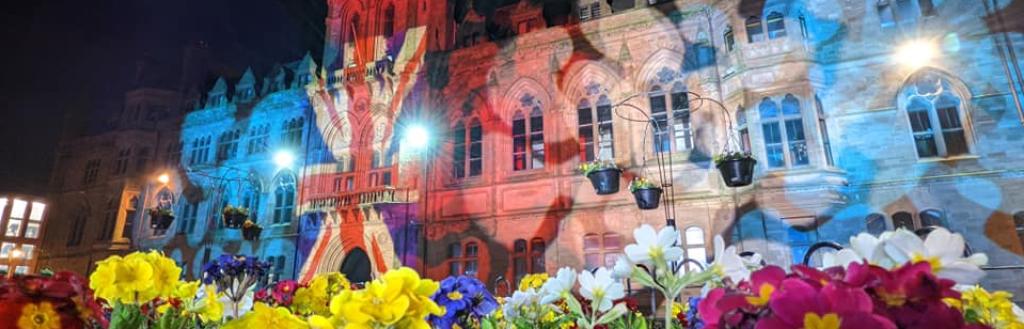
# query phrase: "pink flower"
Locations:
[[284, 291], [799, 304]]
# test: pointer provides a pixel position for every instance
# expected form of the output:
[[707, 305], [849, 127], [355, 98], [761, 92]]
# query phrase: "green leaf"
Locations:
[[126, 316], [574, 306], [487, 323], [639, 322], [614, 314]]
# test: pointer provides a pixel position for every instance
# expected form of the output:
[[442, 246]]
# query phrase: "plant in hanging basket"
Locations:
[[737, 168], [604, 175], [646, 193], [251, 231], [234, 217], [160, 218]]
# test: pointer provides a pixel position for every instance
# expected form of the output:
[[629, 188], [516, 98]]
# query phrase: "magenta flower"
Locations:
[[284, 291], [799, 304]]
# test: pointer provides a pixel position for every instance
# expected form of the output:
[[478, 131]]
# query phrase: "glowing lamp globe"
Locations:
[[916, 53], [417, 136], [284, 159]]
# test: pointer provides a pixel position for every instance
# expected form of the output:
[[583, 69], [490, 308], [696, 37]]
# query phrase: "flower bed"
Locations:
[[896, 280]]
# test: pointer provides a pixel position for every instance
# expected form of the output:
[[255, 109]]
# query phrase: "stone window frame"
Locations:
[[466, 163], [668, 88], [597, 147], [945, 97], [607, 252], [284, 199], [462, 256], [530, 135], [782, 121]]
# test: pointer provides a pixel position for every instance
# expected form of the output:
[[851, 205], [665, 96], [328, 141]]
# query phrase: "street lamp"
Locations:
[[284, 159], [164, 178], [916, 53], [416, 136]]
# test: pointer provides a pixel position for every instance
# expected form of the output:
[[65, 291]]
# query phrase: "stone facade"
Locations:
[[853, 132]]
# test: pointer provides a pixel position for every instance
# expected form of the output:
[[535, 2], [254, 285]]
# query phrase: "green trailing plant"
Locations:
[[160, 212], [596, 165], [732, 155], [641, 183]]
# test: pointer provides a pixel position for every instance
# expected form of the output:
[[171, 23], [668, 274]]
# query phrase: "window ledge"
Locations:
[[952, 158], [528, 174]]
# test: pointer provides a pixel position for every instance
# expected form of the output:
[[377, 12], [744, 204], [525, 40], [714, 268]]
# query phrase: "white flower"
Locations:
[[623, 268], [863, 247], [942, 249], [559, 286], [654, 247], [729, 263], [600, 288]]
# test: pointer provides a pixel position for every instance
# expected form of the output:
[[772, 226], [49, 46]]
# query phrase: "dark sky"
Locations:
[[78, 57]]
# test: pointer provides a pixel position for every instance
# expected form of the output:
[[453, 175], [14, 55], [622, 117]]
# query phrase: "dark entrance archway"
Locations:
[[356, 266]]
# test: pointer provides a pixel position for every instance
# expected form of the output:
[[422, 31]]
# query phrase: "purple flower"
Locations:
[[465, 300]]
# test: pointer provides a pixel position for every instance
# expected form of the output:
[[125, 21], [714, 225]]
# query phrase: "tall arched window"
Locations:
[[875, 224], [284, 199], [936, 119], [389, 21], [601, 250], [129, 218], [826, 143], [463, 259], [776, 25], [755, 32], [730, 39], [903, 220], [595, 129], [292, 132], [693, 241], [743, 129], [785, 142], [188, 217], [468, 148], [528, 259], [251, 197], [109, 221], [673, 134], [227, 145], [932, 217], [528, 140]]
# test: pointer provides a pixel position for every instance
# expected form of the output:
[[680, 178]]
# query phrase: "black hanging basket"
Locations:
[[737, 172], [647, 198], [606, 181], [161, 222], [251, 233], [234, 220]]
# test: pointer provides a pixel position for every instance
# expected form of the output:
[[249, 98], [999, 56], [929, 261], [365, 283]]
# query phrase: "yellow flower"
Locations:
[[263, 316], [993, 309], [534, 281], [165, 275], [39, 316], [209, 307], [122, 279], [313, 298], [400, 299]]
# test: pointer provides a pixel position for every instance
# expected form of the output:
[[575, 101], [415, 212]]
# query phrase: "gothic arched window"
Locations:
[[755, 32], [936, 118], [596, 134], [467, 149], [528, 139], [784, 139], [673, 131], [284, 199], [776, 25], [903, 220]]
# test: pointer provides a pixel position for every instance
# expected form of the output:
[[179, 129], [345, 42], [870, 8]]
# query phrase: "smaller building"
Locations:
[[23, 220]]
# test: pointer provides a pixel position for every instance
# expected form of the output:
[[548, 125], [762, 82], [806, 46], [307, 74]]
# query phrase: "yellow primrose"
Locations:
[[39, 316], [263, 316], [123, 279], [313, 298], [209, 307], [993, 309], [165, 274], [534, 281]]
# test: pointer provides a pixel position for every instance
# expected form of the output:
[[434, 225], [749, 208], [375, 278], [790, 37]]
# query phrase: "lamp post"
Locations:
[[16, 253], [417, 137]]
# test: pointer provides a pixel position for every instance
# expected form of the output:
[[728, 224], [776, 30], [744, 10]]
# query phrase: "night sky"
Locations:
[[66, 64]]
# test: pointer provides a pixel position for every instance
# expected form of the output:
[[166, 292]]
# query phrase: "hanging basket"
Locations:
[[251, 233], [161, 221], [647, 198], [234, 219], [737, 172], [605, 181]]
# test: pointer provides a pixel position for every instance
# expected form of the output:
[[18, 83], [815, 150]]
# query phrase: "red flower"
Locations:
[[284, 291], [911, 296], [799, 304]]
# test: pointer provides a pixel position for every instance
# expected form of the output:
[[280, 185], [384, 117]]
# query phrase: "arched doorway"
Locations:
[[356, 266]]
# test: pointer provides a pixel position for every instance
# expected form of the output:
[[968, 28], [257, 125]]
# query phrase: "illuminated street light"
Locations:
[[17, 253], [284, 159], [164, 178], [916, 53], [417, 136]]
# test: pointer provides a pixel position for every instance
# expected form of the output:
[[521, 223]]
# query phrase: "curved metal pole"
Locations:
[[664, 174], [819, 245]]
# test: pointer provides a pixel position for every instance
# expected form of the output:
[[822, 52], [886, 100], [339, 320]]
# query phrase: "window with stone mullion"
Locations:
[[519, 161], [596, 121]]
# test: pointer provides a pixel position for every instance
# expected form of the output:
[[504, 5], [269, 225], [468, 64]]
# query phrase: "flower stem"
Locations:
[[668, 312]]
